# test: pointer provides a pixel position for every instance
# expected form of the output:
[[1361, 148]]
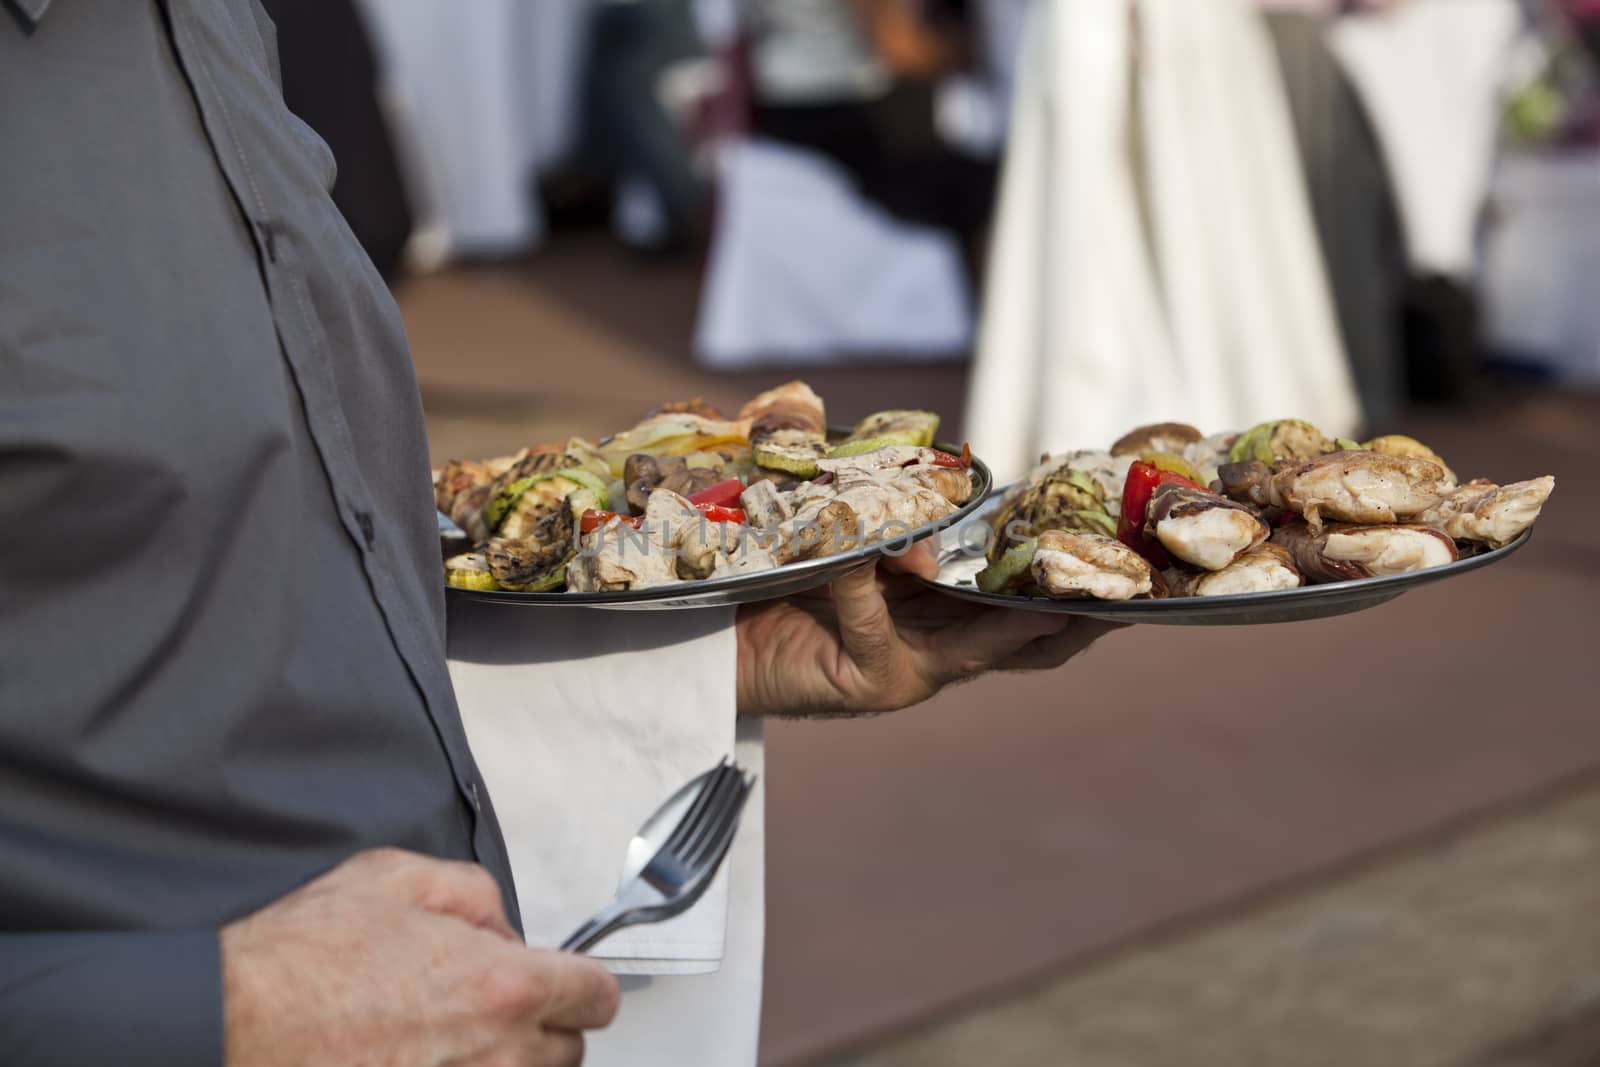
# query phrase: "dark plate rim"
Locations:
[[711, 587]]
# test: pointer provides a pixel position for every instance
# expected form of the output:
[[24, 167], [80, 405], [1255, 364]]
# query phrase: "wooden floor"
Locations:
[[1014, 828]]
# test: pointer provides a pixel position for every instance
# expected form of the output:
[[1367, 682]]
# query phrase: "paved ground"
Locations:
[[930, 861], [1479, 948]]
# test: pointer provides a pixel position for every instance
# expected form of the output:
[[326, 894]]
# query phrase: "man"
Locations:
[[238, 819]]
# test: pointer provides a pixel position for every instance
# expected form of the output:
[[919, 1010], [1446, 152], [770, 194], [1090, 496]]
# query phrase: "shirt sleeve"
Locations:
[[138, 999]]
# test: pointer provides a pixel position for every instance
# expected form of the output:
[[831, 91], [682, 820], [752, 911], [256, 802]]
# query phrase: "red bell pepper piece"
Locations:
[[945, 459], [723, 494], [717, 513], [1136, 493], [592, 520]]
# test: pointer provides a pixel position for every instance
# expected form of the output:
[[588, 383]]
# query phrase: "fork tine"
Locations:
[[691, 818], [716, 801], [720, 826], [716, 842], [698, 803]]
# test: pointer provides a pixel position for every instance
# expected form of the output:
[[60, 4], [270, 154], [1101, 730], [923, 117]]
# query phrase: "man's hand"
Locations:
[[880, 642], [395, 959]]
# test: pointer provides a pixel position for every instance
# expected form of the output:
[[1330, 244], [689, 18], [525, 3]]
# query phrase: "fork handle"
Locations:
[[605, 922]]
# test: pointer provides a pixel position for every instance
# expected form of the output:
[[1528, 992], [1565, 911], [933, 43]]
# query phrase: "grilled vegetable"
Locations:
[[1398, 444], [792, 452], [1143, 478], [1283, 439], [525, 567], [1063, 499], [723, 494], [1176, 464], [885, 428], [788, 429], [538, 562], [523, 504], [670, 435], [1012, 572], [524, 465], [469, 571], [1156, 437]]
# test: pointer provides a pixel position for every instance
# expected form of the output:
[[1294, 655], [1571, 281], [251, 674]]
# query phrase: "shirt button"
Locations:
[[368, 534], [477, 803]]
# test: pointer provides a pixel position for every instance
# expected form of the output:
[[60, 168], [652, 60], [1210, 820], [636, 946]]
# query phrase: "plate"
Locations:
[[960, 558], [746, 588]]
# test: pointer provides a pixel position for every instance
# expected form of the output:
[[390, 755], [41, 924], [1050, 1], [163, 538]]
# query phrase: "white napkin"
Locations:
[[582, 723]]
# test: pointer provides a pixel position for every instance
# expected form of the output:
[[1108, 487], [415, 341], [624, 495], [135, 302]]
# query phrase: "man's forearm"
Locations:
[[136, 999]]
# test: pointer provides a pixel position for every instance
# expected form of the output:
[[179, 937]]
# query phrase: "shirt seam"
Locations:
[[340, 428]]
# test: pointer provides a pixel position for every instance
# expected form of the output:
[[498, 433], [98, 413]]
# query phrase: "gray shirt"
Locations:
[[221, 615]]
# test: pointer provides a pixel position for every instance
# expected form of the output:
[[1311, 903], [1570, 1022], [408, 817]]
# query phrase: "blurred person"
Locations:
[[1352, 200], [239, 820], [659, 199], [855, 81]]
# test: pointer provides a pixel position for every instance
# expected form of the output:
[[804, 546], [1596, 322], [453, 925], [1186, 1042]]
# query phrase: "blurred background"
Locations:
[[1368, 840]]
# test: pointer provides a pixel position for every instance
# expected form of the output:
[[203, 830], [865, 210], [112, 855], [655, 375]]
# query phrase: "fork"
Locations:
[[672, 860]]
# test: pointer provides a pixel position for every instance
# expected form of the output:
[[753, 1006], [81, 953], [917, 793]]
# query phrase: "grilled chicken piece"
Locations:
[[1059, 498], [1261, 569], [467, 512], [1156, 437], [764, 507], [1485, 513], [1341, 552], [457, 477], [1360, 487], [746, 553], [695, 543], [616, 557], [1080, 565], [1201, 528], [697, 406], [870, 498]]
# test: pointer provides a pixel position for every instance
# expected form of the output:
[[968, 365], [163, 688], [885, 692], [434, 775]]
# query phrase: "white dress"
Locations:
[[1154, 255]]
